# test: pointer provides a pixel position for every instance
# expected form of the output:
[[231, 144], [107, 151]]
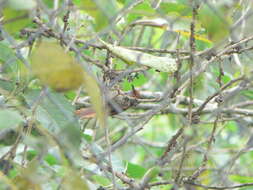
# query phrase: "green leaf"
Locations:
[[138, 81], [54, 111], [231, 126], [126, 2], [31, 154], [101, 180], [151, 173], [13, 173], [178, 8], [70, 95], [241, 179], [135, 171], [247, 93], [51, 160], [215, 21], [11, 65], [50, 3], [87, 137], [73, 180], [6, 86], [141, 10], [10, 118], [56, 114], [6, 52], [102, 11], [8, 136], [15, 20], [203, 44]]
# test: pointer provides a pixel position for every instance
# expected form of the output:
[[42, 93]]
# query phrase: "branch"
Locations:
[[216, 187]]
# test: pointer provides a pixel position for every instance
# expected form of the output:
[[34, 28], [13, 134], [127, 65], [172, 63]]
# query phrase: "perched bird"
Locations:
[[116, 102]]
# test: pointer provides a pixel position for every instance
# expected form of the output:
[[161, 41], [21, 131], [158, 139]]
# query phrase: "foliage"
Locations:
[[126, 94]]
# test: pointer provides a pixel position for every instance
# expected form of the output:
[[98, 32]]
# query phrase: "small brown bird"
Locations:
[[117, 102]]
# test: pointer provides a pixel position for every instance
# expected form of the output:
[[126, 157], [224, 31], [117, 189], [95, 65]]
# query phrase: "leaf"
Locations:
[[126, 2], [31, 154], [247, 93], [8, 136], [24, 183], [29, 177], [141, 10], [11, 65], [101, 180], [6, 86], [22, 4], [50, 3], [15, 20], [51, 160], [102, 11], [137, 81], [56, 114], [231, 126], [181, 9], [6, 53], [241, 179], [56, 68], [6, 122], [163, 64], [73, 180], [215, 22], [87, 137], [150, 174], [135, 171], [93, 89], [53, 113]]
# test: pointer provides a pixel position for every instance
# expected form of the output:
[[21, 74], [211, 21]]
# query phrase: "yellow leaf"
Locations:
[[94, 92], [56, 68], [24, 184], [28, 177], [74, 181]]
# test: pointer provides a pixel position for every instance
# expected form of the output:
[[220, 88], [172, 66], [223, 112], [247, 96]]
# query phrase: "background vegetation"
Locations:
[[90, 98]]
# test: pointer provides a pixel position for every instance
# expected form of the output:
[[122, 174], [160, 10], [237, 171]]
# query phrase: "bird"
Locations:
[[116, 102]]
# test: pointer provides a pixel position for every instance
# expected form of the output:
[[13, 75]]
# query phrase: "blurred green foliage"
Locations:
[[44, 145]]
